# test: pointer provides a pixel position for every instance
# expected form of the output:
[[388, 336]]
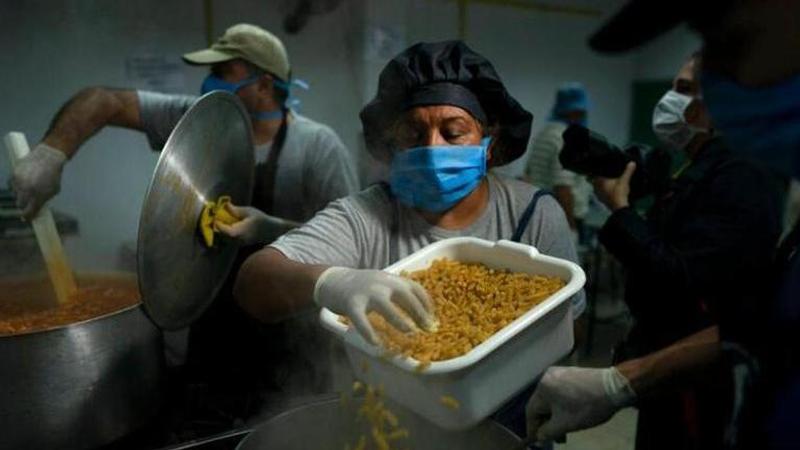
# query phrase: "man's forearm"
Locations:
[[677, 365], [271, 287], [89, 111]]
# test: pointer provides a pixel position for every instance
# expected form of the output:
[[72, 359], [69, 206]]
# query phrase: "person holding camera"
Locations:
[[707, 240]]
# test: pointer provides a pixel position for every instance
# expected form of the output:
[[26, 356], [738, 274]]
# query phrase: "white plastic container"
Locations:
[[492, 372]]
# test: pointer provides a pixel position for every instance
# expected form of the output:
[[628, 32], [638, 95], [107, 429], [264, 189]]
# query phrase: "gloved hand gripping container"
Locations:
[[493, 371]]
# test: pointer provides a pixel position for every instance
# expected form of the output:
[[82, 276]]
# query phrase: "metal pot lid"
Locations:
[[208, 154]]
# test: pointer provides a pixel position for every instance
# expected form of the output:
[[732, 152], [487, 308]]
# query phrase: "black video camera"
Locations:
[[590, 154]]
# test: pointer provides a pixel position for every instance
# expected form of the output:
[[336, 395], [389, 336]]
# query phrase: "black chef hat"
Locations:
[[446, 73]]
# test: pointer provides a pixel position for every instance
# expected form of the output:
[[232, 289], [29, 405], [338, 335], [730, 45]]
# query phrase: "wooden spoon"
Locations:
[[46, 233]]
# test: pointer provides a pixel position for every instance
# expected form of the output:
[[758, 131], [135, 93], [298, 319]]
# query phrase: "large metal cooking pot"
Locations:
[[80, 385], [86, 384], [331, 424]]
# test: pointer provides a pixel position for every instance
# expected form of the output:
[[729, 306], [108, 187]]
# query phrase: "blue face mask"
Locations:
[[215, 83], [762, 123], [435, 178]]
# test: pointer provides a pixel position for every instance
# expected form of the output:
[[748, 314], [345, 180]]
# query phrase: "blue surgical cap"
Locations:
[[570, 97]]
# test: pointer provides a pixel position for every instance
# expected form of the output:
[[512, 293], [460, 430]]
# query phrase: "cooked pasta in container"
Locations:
[[504, 316], [472, 302]]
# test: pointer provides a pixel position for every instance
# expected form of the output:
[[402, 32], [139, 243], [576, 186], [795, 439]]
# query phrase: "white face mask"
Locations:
[[669, 121]]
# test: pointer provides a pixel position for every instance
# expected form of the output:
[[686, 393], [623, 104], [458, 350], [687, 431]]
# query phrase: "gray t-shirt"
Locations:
[[314, 167], [357, 231]]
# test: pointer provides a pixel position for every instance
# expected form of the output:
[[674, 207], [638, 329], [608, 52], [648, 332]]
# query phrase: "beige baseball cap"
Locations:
[[248, 42]]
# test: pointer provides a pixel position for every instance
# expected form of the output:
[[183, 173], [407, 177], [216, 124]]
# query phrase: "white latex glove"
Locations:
[[255, 226], [355, 292], [37, 178], [573, 398]]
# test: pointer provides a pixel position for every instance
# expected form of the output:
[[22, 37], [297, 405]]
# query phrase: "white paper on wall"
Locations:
[[155, 72]]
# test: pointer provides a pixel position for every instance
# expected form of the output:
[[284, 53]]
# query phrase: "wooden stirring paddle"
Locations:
[[46, 233]]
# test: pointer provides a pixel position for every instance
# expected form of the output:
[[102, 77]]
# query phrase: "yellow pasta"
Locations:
[[450, 401], [472, 303], [385, 429]]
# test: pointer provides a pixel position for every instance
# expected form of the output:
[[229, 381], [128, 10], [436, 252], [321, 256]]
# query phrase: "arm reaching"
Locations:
[[682, 363], [574, 398], [255, 226], [37, 177], [271, 287], [88, 112]]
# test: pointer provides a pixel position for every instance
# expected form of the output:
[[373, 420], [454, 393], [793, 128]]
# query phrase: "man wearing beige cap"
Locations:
[[303, 160], [249, 62]]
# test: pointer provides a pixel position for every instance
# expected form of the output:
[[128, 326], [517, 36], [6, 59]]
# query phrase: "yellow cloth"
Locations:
[[214, 213]]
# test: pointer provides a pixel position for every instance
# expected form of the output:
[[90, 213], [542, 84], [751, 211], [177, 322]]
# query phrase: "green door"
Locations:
[[645, 96]]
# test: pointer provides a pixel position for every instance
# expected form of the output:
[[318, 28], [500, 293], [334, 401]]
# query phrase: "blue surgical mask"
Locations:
[[435, 178], [215, 83], [762, 123]]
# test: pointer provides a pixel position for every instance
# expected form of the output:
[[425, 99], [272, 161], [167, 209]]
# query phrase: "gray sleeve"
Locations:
[[549, 232], [329, 169], [160, 113], [329, 238]]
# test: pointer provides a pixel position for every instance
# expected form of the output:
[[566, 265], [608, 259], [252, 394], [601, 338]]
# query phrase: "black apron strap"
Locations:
[[522, 225], [267, 172]]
